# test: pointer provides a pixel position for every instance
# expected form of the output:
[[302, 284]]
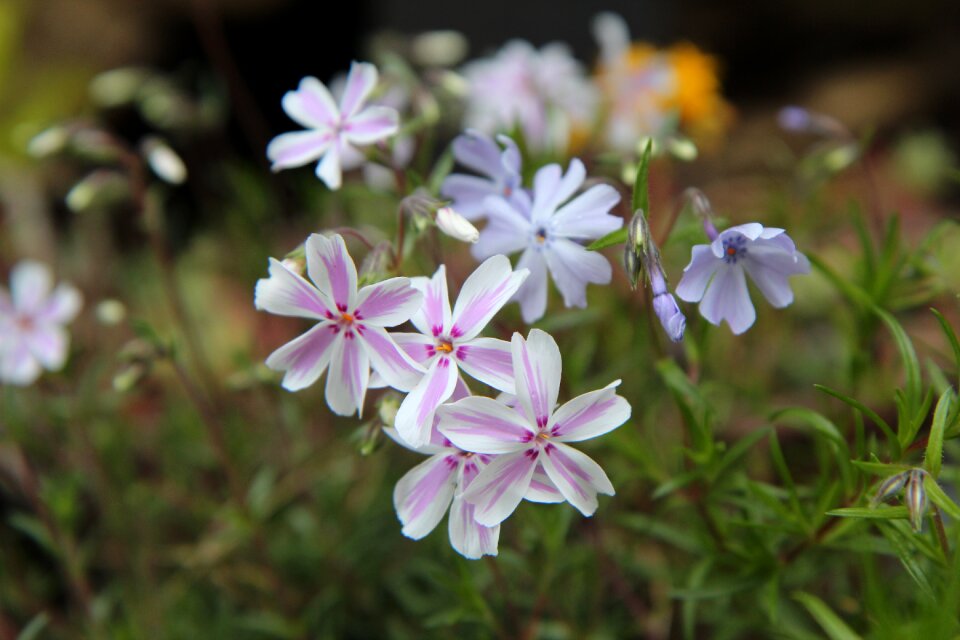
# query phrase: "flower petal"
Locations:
[[392, 363], [498, 237], [311, 105], [305, 358], [348, 375], [360, 82], [697, 274], [298, 148], [372, 124], [542, 489], [587, 216], [286, 293], [62, 306], [576, 476], [478, 152], [423, 494], [433, 318], [489, 360], [590, 415], [17, 365], [484, 293], [551, 190], [532, 294], [48, 344], [331, 268], [536, 369], [30, 283], [329, 170], [415, 417], [483, 425], [388, 303], [751, 230], [468, 537], [500, 487], [419, 347], [727, 299], [468, 194], [770, 265], [573, 267]]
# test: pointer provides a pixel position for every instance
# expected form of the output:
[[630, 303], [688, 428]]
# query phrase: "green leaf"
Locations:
[[905, 543], [952, 337], [880, 513], [34, 627], [881, 469], [780, 464], [895, 448], [814, 420], [911, 366], [939, 497], [933, 458], [614, 237], [697, 414], [830, 622], [641, 186]]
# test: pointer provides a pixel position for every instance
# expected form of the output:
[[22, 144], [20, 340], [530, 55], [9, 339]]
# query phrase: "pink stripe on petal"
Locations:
[[286, 293], [488, 360], [298, 148], [542, 489], [500, 487], [483, 425], [330, 168], [398, 369], [62, 306], [48, 344], [18, 366], [311, 105], [361, 81], [304, 359], [331, 268], [418, 346], [371, 125], [388, 303], [469, 538], [483, 294], [590, 415], [348, 376], [415, 417], [422, 496], [30, 283], [433, 319], [536, 366], [576, 476]]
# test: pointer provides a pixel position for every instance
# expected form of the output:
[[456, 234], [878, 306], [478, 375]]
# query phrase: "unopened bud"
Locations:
[[443, 48], [681, 148], [890, 487], [118, 86], [641, 254], [48, 142], [163, 160], [702, 209], [456, 226], [915, 496], [111, 312], [98, 190]]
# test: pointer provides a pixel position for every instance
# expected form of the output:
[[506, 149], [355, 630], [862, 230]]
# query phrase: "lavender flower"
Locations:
[[548, 231], [499, 173], [349, 336], [448, 342], [533, 438], [32, 336], [641, 254], [333, 132], [716, 271]]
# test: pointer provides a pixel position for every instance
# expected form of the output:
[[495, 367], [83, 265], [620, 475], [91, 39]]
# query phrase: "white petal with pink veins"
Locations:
[[304, 359], [388, 303], [483, 425], [348, 376], [331, 268], [48, 344], [286, 293], [590, 415], [501, 485], [361, 81], [484, 293], [311, 105], [489, 360], [536, 369], [414, 419], [433, 318], [371, 125], [62, 306], [391, 362], [576, 476], [329, 169], [298, 148], [30, 283], [422, 496], [17, 365]]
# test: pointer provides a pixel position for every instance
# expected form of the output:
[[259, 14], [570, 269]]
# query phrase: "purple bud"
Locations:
[[672, 319], [915, 495], [890, 487]]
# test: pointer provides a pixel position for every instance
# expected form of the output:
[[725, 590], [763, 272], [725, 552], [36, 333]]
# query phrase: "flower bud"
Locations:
[[456, 226], [915, 496], [163, 160], [100, 189], [641, 254], [890, 487]]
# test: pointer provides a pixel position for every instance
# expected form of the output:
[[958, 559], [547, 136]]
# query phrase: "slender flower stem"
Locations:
[[941, 531]]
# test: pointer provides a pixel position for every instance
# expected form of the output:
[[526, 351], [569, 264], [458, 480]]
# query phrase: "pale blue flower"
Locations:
[[499, 173], [716, 278]]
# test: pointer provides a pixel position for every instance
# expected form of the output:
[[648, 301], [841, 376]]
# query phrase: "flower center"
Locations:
[[734, 248], [444, 347], [346, 318], [24, 323], [507, 191], [541, 235]]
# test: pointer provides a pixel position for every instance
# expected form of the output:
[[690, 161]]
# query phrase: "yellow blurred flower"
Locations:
[[703, 111]]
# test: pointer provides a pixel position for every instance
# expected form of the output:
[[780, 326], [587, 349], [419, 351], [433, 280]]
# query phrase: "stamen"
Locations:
[[541, 235], [445, 347], [346, 317]]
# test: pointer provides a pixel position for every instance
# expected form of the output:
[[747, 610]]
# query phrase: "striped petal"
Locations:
[[331, 268], [304, 359], [500, 487], [536, 370], [483, 294], [286, 293], [483, 425], [433, 318], [422, 496], [415, 417], [590, 415], [489, 360], [392, 363], [576, 476], [348, 375], [388, 303]]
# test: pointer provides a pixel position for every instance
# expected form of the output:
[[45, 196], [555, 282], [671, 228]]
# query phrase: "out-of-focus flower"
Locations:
[[448, 342], [423, 495], [32, 319], [499, 173], [641, 254], [456, 226], [545, 93], [333, 132], [535, 436], [164, 161], [349, 336], [800, 120], [653, 92], [716, 273], [548, 232]]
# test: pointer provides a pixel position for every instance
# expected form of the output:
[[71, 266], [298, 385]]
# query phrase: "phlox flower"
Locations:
[[545, 93], [349, 336], [499, 173], [716, 278], [548, 230], [449, 342], [32, 319], [333, 131], [534, 438], [424, 494]]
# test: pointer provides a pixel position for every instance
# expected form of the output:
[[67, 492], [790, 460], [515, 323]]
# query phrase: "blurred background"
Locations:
[[164, 486]]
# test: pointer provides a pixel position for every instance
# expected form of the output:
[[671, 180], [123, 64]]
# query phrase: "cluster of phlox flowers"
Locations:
[[488, 454]]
